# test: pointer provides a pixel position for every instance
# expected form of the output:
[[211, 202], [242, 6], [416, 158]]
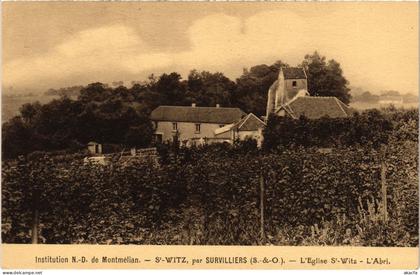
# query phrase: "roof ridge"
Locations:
[[189, 106], [341, 107], [312, 96], [252, 114], [244, 119]]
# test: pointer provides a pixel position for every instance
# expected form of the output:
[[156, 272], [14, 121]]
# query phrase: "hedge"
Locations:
[[369, 128], [212, 196]]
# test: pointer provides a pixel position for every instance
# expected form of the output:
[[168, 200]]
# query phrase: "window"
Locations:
[[174, 126], [197, 128], [294, 83]]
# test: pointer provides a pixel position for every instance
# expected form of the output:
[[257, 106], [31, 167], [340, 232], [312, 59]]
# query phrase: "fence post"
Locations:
[[383, 185], [35, 217], [262, 207]]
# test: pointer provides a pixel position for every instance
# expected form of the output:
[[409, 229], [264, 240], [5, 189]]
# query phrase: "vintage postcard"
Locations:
[[210, 135]]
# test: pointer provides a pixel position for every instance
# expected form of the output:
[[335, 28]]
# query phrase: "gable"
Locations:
[[250, 123]]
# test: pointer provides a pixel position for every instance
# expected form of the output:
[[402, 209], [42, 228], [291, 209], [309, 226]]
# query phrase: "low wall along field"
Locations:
[[213, 196]]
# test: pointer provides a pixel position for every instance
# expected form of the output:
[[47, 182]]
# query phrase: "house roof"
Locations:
[[293, 73], [314, 107], [249, 123], [218, 115], [224, 129]]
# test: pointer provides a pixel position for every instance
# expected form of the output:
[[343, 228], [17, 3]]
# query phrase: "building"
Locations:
[[290, 81], [94, 148], [192, 124], [387, 100], [288, 96], [249, 126]]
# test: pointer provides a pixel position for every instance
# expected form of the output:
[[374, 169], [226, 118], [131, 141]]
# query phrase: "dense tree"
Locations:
[[69, 124], [371, 128], [209, 89], [17, 138], [253, 85], [325, 78], [29, 111], [366, 97], [120, 114], [139, 136], [170, 88], [95, 92]]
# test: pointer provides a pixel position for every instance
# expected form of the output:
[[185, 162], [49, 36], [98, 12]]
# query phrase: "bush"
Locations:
[[371, 128]]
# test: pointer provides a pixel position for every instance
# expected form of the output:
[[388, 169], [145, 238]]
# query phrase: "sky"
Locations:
[[57, 44]]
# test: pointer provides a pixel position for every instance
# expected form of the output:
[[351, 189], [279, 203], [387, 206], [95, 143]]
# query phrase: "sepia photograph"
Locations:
[[210, 124]]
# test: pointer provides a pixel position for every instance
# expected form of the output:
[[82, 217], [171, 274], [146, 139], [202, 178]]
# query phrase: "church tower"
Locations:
[[290, 81]]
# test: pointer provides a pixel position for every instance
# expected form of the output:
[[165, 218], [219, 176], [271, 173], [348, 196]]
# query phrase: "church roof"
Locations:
[[219, 115], [293, 73], [314, 107]]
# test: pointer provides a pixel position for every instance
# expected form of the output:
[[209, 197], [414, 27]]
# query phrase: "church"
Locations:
[[289, 96]]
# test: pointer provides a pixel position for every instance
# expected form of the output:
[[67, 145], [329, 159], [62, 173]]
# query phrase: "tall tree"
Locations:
[[325, 78], [209, 89], [95, 92], [170, 88], [17, 138], [29, 111], [253, 85]]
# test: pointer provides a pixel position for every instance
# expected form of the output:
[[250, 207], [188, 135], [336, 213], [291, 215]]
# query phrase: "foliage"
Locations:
[[325, 78], [209, 89], [405, 123], [119, 114], [253, 85], [211, 195], [370, 128]]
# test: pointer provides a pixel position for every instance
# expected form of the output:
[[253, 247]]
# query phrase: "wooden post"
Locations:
[[383, 184], [35, 218], [384, 191], [35, 227], [262, 207]]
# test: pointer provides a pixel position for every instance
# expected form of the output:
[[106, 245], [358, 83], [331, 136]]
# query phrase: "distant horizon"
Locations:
[[128, 83]]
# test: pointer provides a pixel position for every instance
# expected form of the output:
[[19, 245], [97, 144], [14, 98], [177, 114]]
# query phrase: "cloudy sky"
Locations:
[[52, 44]]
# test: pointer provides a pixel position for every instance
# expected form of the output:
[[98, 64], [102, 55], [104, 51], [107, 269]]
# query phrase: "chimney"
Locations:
[[193, 105], [217, 105]]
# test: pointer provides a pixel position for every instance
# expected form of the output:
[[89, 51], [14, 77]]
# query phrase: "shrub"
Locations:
[[370, 128]]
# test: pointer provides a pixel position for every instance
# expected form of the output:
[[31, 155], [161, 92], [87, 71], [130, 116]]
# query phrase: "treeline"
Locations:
[[119, 114], [368, 97]]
